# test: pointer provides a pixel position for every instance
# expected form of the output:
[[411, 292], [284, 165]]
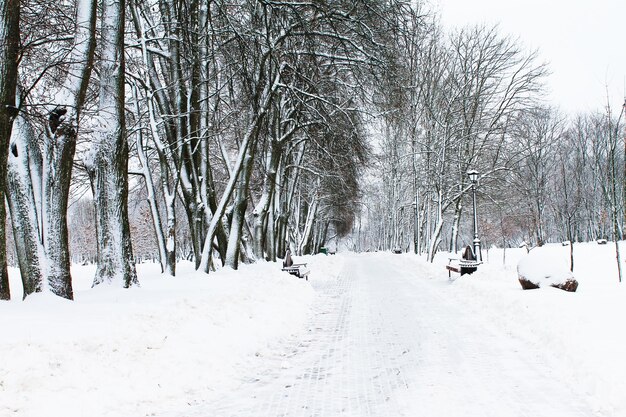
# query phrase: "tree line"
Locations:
[[228, 132], [473, 99], [241, 124]]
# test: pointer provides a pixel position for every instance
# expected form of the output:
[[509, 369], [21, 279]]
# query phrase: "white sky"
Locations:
[[584, 42]]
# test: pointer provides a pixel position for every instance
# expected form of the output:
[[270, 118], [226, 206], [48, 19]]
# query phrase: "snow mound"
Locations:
[[544, 267]]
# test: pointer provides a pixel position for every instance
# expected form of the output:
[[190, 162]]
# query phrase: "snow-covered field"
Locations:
[[177, 344]]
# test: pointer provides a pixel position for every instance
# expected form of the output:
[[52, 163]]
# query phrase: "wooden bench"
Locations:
[[299, 270], [453, 268], [456, 265]]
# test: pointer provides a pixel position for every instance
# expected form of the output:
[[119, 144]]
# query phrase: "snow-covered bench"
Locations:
[[300, 270], [464, 265], [453, 266], [456, 264]]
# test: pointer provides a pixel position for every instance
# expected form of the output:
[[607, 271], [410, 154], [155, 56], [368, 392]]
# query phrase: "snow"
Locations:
[[543, 267], [372, 334], [577, 332], [115, 352], [171, 244]]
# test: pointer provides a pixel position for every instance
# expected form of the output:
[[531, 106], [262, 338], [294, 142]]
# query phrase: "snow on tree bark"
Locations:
[[40, 172], [308, 227], [58, 155], [108, 163], [283, 130], [239, 210], [249, 141], [24, 167], [9, 44], [261, 212], [163, 244]]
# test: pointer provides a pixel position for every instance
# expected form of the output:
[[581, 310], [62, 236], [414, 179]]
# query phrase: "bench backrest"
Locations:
[[468, 254], [287, 261]]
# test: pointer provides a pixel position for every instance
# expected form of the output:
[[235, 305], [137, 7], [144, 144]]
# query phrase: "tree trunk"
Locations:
[[170, 243], [58, 161], [9, 47], [435, 238], [40, 177], [455, 226], [108, 169], [249, 141], [239, 212], [270, 234], [59, 147], [289, 185], [150, 189], [308, 227], [154, 93], [263, 207], [24, 166]]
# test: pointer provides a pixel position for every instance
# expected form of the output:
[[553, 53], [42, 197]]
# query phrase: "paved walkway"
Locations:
[[383, 344]]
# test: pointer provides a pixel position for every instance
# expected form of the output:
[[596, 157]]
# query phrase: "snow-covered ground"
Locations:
[[117, 353], [373, 334]]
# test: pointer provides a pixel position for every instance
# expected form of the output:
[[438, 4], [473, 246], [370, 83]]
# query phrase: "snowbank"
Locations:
[[115, 352], [544, 267], [160, 348], [579, 331]]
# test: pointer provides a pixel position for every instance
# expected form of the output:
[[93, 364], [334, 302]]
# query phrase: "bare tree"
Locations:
[[537, 134], [40, 173], [613, 131]]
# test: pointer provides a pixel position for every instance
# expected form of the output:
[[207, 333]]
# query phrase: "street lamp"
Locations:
[[473, 176]]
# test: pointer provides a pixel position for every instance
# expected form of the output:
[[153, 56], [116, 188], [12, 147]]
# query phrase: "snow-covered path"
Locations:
[[384, 340]]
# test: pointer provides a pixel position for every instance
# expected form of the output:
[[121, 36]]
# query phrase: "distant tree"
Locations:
[[537, 134], [614, 194], [82, 240]]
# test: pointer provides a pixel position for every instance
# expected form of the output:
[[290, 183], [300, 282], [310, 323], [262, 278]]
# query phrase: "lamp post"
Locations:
[[473, 176]]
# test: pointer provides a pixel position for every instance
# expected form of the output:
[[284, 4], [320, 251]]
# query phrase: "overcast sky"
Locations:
[[584, 41]]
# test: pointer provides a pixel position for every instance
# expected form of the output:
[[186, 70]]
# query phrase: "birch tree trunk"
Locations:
[[109, 166], [9, 44]]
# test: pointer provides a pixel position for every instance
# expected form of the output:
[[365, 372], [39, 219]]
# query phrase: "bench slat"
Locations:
[[456, 264], [465, 263], [298, 271]]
